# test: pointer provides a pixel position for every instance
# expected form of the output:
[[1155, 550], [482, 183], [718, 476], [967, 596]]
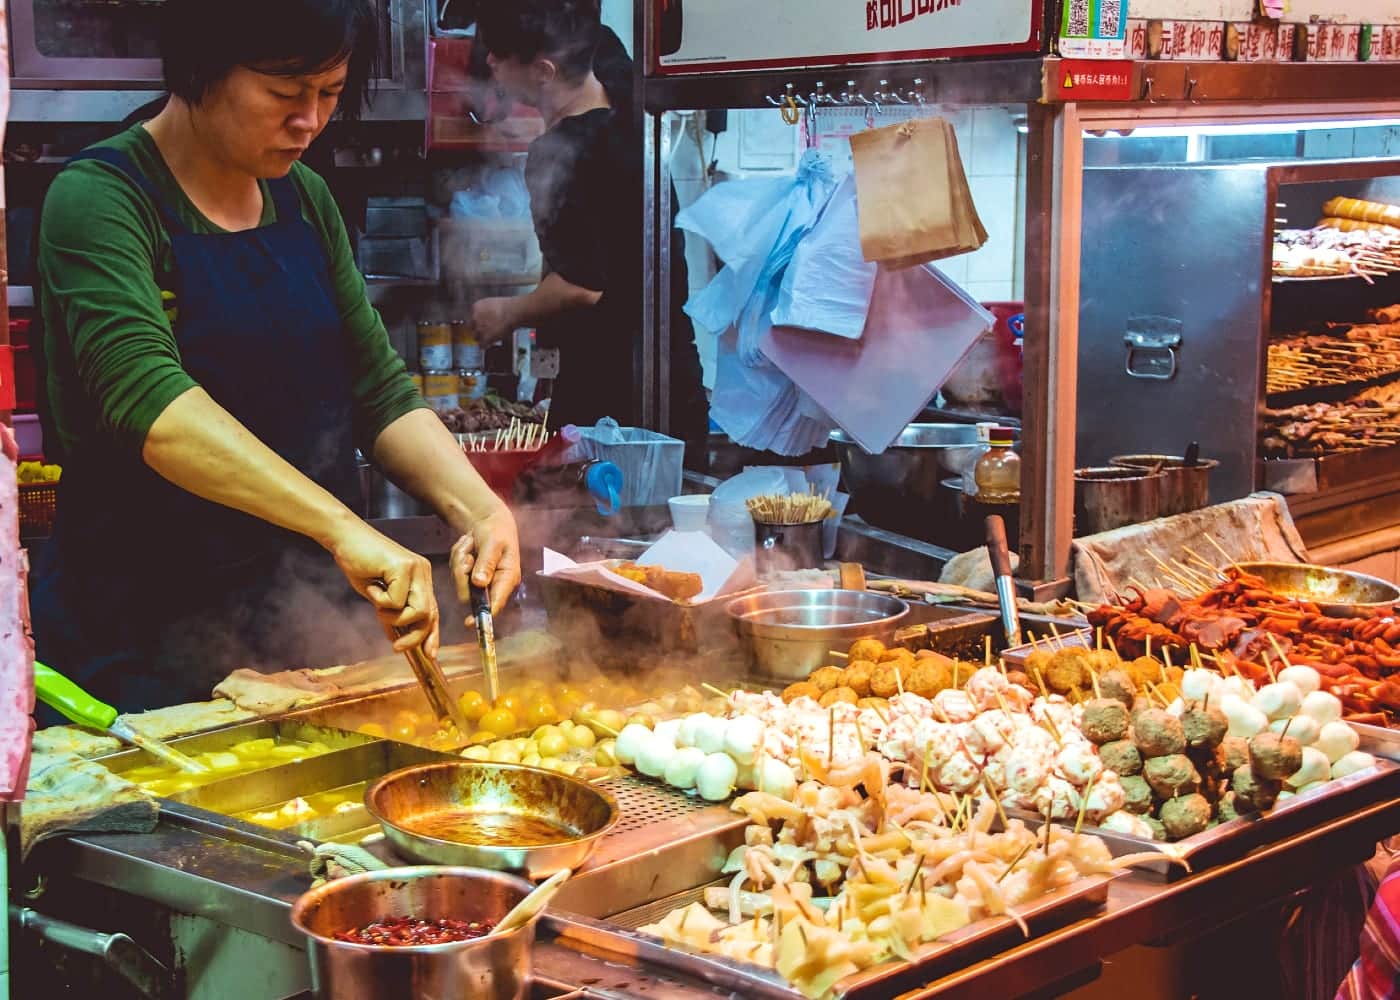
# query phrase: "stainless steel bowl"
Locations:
[[1337, 592], [921, 456], [786, 634], [495, 967], [499, 803]]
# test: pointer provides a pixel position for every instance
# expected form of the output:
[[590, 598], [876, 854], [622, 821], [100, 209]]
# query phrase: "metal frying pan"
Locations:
[[502, 816]]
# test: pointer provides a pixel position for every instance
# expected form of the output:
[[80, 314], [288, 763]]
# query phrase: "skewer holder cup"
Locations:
[[782, 547]]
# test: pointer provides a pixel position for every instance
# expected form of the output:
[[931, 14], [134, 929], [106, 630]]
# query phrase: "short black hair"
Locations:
[[202, 41], [565, 31]]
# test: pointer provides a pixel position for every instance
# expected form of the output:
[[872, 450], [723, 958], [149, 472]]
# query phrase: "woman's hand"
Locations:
[[493, 319], [399, 584], [489, 556]]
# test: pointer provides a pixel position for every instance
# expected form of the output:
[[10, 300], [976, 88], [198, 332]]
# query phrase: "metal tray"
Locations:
[[337, 769], [1232, 841], [1329, 472], [972, 943], [221, 739], [665, 841]]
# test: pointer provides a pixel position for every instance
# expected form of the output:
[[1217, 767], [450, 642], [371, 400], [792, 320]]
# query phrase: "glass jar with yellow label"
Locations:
[[466, 351], [441, 390], [434, 347]]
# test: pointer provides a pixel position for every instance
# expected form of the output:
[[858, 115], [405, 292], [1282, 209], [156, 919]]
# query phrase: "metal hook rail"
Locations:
[[791, 102]]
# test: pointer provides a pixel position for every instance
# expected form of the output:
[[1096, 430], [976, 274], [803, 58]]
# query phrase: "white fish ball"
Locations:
[[629, 741], [709, 734], [684, 763], [1245, 720], [1316, 767], [716, 777], [1196, 684], [1323, 706], [1336, 740], [654, 755], [1279, 700], [742, 738], [1357, 760], [1305, 679], [1303, 728], [776, 778], [685, 736], [1240, 687]]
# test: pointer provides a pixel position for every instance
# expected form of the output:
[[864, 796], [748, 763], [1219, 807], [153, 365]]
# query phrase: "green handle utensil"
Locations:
[[73, 703]]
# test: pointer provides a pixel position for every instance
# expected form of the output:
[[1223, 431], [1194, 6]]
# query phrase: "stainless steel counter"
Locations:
[[244, 886]]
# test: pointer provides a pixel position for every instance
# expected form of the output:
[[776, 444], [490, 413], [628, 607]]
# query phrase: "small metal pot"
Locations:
[[1109, 497], [782, 547], [495, 967], [1186, 487], [786, 634], [415, 797]]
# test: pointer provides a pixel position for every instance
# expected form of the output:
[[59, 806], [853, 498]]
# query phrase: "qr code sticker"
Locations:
[[1110, 13], [1078, 18]]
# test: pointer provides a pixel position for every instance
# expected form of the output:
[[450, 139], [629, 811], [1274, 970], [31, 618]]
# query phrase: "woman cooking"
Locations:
[[212, 363]]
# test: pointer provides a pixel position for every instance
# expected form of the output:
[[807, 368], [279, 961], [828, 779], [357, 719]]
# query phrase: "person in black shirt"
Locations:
[[584, 176]]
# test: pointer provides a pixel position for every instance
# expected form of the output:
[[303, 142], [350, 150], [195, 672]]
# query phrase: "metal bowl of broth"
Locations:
[[502, 816]]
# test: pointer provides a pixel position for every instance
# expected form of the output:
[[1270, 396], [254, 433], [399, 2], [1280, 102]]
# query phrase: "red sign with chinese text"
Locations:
[[1092, 80], [704, 36]]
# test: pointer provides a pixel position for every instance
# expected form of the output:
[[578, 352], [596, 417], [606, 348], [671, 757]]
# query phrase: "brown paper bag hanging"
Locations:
[[912, 195]]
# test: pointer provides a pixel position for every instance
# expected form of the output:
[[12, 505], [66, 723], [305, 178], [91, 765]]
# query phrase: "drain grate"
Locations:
[[641, 803]]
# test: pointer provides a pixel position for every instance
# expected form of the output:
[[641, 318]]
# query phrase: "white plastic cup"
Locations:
[[691, 512]]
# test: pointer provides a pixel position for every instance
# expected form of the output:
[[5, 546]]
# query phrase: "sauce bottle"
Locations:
[[998, 472]]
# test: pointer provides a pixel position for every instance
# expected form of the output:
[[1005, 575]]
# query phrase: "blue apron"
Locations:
[[147, 595]]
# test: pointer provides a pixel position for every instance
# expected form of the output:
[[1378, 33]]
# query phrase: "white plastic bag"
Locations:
[[828, 285]]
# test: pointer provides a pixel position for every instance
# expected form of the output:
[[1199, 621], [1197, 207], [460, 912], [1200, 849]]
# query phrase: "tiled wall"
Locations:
[[1345, 143], [990, 148]]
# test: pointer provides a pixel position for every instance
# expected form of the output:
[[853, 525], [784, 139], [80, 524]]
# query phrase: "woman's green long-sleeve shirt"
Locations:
[[107, 287]]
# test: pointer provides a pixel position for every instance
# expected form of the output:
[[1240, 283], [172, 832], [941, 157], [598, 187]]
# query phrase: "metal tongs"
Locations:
[[434, 684], [1000, 555], [486, 637], [75, 704]]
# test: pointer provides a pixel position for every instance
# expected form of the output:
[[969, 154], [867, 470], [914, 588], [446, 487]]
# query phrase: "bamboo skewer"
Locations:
[[791, 508], [1221, 549]]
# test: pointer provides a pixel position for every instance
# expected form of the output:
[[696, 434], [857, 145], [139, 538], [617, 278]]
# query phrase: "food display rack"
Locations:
[[204, 877], [1161, 368]]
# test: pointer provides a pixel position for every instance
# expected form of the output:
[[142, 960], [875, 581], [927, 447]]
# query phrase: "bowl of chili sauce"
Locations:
[[424, 931]]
